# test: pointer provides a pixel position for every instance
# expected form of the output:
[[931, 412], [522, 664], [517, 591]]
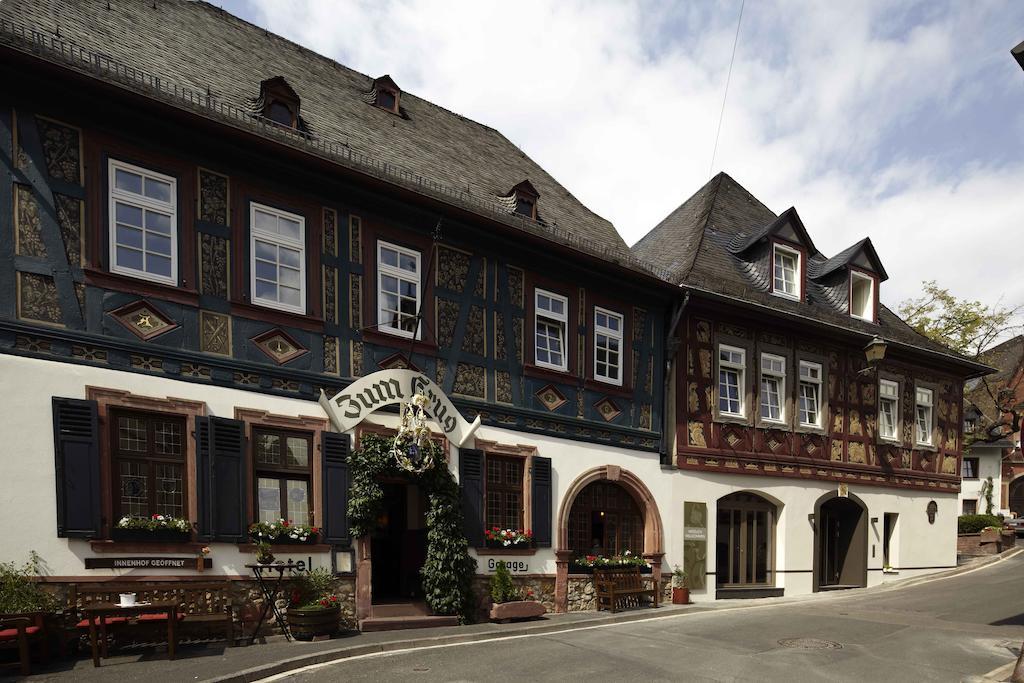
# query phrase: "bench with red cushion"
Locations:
[[199, 602]]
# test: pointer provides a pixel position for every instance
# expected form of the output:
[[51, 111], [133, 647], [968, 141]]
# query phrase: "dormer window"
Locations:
[[280, 103], [862, 296], [524, 199], [525, 206], [279, 112], [387, 94], [786, 272]]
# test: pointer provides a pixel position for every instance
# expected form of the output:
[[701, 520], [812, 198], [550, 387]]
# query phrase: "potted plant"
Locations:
[[156, 528], [496, 537], [509, 601], [680, 591], [263, 554], [314, 611], [283, 531]]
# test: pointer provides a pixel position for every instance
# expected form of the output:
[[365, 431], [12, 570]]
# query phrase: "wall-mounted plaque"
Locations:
[[145, 563], [695, 543]]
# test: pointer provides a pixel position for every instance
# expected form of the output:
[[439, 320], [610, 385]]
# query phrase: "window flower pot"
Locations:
[[313, 622], [680, 596], [312, 539], [147, 536], [517, 609], [512, 546]]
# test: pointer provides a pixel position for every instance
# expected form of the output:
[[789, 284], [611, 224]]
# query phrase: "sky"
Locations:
[[899, 121]]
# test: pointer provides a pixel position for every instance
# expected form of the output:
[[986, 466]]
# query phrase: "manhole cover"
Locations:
[[810, 644]]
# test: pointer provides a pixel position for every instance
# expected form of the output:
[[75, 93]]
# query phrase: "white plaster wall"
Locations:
[[27, 490], [989, 465], [917, 546]]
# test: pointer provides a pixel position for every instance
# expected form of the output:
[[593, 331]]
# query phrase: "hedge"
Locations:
[[972, 524]]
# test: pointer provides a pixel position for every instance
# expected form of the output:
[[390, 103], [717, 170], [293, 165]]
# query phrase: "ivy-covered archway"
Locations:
[[449, 569]]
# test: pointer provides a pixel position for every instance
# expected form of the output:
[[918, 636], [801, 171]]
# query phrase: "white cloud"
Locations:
[[620, 102]]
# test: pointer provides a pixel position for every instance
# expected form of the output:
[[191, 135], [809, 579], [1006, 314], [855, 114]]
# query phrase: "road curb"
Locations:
[[342, 653], [262, 671]]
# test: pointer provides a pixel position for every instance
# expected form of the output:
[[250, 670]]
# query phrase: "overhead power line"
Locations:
[[725, 95]]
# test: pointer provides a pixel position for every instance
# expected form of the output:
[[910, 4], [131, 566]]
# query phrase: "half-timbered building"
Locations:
[[822, 433], [205, 229]]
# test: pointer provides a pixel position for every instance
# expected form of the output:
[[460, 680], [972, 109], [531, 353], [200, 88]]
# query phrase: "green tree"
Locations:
[[968, 327], [972, 328]]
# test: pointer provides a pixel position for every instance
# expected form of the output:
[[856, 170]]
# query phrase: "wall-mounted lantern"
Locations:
[[874, 352]]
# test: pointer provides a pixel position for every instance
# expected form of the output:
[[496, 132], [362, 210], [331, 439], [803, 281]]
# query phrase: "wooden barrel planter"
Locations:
[[306, 624]]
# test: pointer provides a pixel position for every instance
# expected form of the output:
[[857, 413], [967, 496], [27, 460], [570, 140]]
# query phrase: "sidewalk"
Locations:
[[219, 664], [237, 664]]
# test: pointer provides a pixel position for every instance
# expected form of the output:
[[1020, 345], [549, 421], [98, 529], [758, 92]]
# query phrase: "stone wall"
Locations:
[[985, 543], [543, 587], [581, 596]]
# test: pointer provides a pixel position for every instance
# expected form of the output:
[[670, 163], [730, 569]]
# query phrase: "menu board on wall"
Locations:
[[695, 543]]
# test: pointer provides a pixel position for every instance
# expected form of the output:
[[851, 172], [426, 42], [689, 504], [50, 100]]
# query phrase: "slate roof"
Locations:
[[846, 256], [1008, 360], [197, 49], [700, 244]]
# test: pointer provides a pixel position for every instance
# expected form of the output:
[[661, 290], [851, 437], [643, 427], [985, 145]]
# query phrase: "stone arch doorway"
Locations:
[[745, 545], [1015, 496], [840, 542], [626, 502]]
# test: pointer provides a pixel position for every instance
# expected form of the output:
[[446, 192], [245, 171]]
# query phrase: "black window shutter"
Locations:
[[471, 480], [77, 465], [226, 479], [334, 518], [541, 502], [204, 479]]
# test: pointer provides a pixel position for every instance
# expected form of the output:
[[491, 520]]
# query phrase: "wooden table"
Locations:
[[100, 611]]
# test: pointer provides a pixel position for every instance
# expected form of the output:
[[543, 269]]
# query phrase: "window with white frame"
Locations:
[[550, 320], [773, 387], [398, 290], [607, 346], [731, 368], [862, 296], [277, 243], [810, 394], [888, 409], [924, 416], [786, 272], [143, 223]]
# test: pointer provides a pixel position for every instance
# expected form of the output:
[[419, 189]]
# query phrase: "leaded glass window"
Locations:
[[283, 470], [148, 454]]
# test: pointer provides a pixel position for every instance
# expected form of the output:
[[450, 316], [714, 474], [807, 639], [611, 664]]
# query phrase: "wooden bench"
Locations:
[[623, 587], [20, 631], [207, 603]]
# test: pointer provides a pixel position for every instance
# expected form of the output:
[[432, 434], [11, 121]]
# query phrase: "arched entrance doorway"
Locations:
[[631, 521], [605, 520], [744, 544], [1016, 496], [840, 543]]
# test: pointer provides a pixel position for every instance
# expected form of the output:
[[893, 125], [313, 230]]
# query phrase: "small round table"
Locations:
[[270, 589]]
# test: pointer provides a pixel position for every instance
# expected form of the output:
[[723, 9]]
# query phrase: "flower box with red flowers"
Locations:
[[496, 537], [588, 563], [283, 531]]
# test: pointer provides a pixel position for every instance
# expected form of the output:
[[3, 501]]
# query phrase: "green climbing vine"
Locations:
[[448, 572]]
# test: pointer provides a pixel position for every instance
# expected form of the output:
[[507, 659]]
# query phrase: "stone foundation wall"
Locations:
[[543, 587], [581, 597]]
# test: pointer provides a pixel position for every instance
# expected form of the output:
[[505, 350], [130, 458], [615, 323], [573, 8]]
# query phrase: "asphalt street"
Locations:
[[951, 629]]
